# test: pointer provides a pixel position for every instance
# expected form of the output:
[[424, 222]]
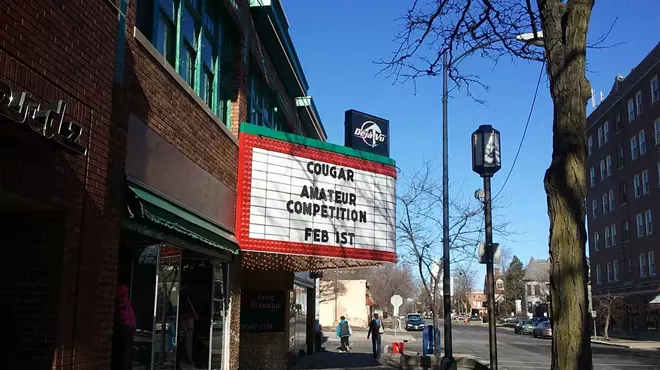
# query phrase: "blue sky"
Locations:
[[338, 40]]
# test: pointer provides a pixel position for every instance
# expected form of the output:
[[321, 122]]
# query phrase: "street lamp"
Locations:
[[486, 162], [532, 38]]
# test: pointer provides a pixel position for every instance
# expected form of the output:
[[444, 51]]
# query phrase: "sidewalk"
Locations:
[[627, 343], [360, 357]]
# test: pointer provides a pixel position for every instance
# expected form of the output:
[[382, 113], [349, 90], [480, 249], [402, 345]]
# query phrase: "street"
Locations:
[[517, 351]]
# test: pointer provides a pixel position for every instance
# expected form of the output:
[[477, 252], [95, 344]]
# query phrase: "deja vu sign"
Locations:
[[366, 132], [307, 197]]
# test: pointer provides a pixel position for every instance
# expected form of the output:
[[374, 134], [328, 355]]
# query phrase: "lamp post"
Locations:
[[532, 38], [486, 162]]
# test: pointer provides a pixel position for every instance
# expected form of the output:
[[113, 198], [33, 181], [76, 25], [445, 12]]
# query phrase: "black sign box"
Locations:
[[263, 311], [366, 132]]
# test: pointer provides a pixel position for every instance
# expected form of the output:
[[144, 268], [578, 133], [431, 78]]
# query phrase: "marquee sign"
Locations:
[[306, 197]]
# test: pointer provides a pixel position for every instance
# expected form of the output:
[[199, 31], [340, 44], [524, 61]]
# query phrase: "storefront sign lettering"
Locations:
[[49, 122], [262, 311]]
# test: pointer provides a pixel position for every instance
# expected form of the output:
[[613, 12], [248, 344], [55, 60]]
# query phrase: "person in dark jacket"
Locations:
[[343, 332], [375, 329]]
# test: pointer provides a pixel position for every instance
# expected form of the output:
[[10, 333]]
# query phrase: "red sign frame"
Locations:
[[248, 141]]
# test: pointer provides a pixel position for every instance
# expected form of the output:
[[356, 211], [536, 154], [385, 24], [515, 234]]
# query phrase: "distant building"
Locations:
[[623, 180], [499, 285], [537, 287], [478, 303], [349, 298]]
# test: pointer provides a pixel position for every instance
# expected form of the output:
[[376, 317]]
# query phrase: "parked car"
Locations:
[[528, 327], [415, 322], [518, 328], [543, 330]]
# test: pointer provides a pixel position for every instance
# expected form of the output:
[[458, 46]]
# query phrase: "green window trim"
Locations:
[[184, 31]]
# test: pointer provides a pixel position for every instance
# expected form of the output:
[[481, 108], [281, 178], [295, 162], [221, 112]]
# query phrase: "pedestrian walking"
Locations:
[[344, 332], [375, 330]]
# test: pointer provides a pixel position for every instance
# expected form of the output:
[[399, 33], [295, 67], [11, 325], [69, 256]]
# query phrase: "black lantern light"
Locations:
[[486, 151]]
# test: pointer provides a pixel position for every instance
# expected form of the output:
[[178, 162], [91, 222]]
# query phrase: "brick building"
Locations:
[[59, 231], [623, 182], [130, 178]]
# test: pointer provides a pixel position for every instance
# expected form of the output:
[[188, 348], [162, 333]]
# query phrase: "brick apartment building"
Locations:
[[134, 183], [623, 182]]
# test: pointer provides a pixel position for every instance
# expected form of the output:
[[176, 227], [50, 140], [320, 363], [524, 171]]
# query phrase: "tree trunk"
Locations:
[[564, 31], [606, 329]]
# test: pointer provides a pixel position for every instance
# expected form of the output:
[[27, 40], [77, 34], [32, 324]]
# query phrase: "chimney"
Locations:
[[496, 272]]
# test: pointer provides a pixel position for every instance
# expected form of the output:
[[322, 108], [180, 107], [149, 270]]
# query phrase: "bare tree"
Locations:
[[506, 254], [608, 306], [436, 27], [389, 280], [463, 286], [330, 289], [419, 228]]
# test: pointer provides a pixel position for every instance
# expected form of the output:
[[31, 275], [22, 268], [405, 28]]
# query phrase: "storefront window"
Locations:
[[178, 297], [298, 319]]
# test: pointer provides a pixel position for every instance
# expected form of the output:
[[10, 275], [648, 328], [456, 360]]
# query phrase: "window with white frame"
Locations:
[[610, 274], [637, 185], [611, 199], [629, 266], [592, 176], [651, 256], [597, 274], [645, 182], [590, 141], [617, 122], [638, 103], [656, 131], [615, 267], [631, 110], [601, 137], [642, 265], [613, 235], [607, 237], [648, 220], [594, 208], [606, 131], [642, 142], [621, 156], [605, 203], [596, 241], [603, 170], [634, 149], [640, 225], [608, 165], [655, 90]]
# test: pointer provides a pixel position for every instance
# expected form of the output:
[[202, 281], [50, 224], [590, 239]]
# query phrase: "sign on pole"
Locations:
[[396, 302], [497, 254]]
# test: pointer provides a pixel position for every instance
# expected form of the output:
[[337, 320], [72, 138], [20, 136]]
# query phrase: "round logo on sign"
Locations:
[[370, 133]]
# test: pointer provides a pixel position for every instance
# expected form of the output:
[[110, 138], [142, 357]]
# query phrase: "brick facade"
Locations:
[[620, 265], [60, 234], [63, 209]]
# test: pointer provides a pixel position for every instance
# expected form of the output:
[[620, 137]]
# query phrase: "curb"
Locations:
[[604, 343]]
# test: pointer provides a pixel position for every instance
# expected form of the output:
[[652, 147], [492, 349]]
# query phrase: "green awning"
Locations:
[[150, 211]]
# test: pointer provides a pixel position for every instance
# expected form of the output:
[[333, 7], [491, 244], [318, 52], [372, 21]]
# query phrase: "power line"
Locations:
[[522, 140]]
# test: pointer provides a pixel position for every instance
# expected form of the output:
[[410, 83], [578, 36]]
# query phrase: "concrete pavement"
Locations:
[[516, 351]]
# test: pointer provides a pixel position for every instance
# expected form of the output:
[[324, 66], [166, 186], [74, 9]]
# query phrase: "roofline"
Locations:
[[620, 96]]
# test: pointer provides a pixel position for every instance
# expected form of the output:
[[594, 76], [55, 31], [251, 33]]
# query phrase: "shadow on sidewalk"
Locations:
[[335, 360]]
